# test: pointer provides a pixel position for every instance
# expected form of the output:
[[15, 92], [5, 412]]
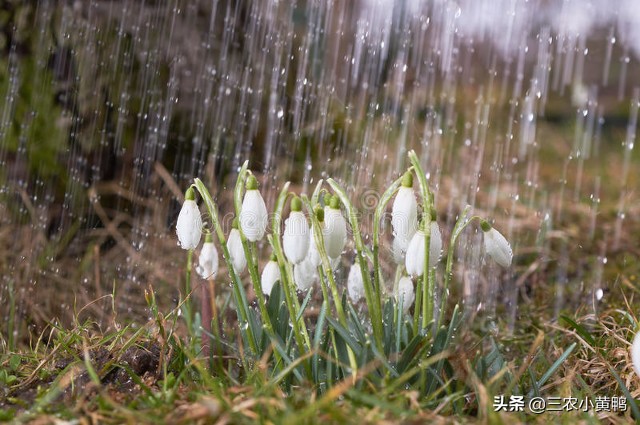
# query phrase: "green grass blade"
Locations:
[[556, 364], [580, 330]]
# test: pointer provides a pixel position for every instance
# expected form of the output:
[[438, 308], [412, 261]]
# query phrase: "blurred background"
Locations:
[[526, 110]]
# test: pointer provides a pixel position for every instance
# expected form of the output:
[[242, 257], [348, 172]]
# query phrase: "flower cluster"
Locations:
[[308, 237], [415, 231]]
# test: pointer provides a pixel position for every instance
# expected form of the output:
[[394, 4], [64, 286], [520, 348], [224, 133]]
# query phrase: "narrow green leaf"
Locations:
[[632, 401], [346, 336], [556, 365], [580, 330]]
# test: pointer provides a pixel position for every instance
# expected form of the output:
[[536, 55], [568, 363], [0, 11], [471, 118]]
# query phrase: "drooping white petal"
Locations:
[[295, 239], [414, 260], [208, 261], [189, 225], [406, 292], [635, 353], [355, 283], [335, 232], [270, 275], [236, 251], [313, 256], [253, 216], [404, 214], [399, 250], [498, 247], [435, 245], [304, 275]]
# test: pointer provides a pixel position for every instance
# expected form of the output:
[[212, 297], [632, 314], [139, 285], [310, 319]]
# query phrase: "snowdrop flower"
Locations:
[[635, 353], [496, 245], [304, 275], [414, 261], [406, 293], [404, 213], [208, 259], [313, 255], [253, 214], [335, 229], [236, 251], [435, 243], [355, 283], [189, 225], [270, 275], [295, 240]]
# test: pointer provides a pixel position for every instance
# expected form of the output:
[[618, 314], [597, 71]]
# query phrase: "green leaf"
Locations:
[[14, 362], [538, 384], [413, 352], [632, 402], [317, 338], [346, 336], [580, 330]]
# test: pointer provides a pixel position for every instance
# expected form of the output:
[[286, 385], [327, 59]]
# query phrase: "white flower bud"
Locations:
[[295, 239], [189, 225], [406, 292], [208, 259], [404, 216], [496, 245], [414, 260], [335, 230], [313, 256], [236, 251], [253, 214], [270, 275], [435, 245], [635, 353], [304, 275], [355, 283]]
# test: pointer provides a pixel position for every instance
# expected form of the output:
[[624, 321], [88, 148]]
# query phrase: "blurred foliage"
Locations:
[[31, 120]]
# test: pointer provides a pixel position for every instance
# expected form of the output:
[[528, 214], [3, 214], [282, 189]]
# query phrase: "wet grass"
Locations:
[[155, 374], [109, 372]]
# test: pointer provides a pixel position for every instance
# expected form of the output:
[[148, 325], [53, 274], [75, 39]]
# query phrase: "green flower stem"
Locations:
[[291, 300], [286, 272], [250, 253], [317, 192], [431, 292], [460, 225], [380, 209], [426, 208], [187, 293], [239, 294], [417, 307], [373, 303], [323, 284], [397, 278], [215, 324], [326, 265], [427, 292], [299, 326]]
